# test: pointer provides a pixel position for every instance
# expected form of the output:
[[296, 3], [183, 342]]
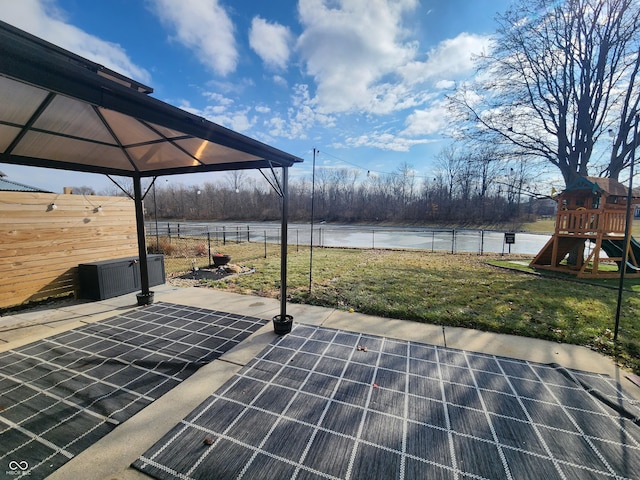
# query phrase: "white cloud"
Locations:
[[203, 26], [271, 41], [218, 98], [238, 120], [353, 49], [362, 60], [385, 141], [428, 121], [223, 111], [277, 126], [43, 19], [280, 81], [445, 84], [450, 59], [300, 118]]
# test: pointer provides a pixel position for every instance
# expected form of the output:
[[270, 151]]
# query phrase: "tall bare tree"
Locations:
[[486, 165], [562, 76]]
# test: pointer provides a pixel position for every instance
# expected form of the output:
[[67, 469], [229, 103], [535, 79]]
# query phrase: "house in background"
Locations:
[[10, 186]]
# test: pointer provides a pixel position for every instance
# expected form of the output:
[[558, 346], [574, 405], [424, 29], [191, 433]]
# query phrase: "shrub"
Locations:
[[202, 250], [163, 245]]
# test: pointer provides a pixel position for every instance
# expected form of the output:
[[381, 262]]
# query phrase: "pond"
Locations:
[[359, 236]]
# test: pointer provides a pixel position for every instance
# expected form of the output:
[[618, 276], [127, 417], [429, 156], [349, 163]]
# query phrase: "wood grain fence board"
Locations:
[[40, 247]]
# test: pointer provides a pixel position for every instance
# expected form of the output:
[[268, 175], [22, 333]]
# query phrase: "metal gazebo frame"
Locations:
[[63, 111]]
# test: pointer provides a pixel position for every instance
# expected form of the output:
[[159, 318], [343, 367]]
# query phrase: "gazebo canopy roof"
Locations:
[[62, 111]]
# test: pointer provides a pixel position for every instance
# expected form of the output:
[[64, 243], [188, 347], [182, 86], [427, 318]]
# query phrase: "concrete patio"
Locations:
[[111, 456]]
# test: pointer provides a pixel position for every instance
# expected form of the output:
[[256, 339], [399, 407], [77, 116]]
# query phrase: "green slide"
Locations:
[[615, 248]]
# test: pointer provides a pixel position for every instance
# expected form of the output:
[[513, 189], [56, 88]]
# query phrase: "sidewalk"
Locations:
[[110, 457]]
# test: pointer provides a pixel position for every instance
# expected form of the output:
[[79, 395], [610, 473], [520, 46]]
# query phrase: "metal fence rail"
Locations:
[[196, 242]]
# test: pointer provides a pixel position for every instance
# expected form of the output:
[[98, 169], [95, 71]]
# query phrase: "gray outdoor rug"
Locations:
[[60, 395], [323, 403]]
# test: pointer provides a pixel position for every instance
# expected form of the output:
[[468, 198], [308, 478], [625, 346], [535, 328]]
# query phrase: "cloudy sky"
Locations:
[[360, 80]]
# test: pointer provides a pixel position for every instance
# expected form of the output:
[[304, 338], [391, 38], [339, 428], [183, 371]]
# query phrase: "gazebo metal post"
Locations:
[[283, 243], [313, 196], [145, 296]]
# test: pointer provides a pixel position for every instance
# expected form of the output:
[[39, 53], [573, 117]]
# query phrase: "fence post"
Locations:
[[224, 235], [481, 242], [209, 243], [169, 231], [237, 234], [453, 241], [248, 235], [178, 230], [373, 239], [297, 240], [265, 244], [433, 240]]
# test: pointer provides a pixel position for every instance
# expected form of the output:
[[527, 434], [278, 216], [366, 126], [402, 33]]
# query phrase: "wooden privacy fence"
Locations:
[[44, 236]]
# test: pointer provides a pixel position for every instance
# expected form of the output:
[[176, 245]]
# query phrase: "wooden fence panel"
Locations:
[[41, 246]]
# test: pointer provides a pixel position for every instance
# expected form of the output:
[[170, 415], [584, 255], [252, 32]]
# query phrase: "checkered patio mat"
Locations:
[[323, 403], [60, 395]]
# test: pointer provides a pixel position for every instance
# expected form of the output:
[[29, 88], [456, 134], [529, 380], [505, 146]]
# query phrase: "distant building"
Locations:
[[10, 186]]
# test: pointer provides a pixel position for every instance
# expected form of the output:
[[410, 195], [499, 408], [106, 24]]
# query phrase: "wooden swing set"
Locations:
[[591, 217]]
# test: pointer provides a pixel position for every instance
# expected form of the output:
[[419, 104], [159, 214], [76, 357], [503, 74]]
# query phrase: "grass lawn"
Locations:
[[453, 290]]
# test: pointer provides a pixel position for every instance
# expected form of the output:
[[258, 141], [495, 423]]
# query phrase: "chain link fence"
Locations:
[[187, 246]]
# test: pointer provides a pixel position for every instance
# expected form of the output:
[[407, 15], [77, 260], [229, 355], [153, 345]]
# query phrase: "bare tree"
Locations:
[[487, 167], [235, 179], [83, 190], [562, 74], [450, 165]]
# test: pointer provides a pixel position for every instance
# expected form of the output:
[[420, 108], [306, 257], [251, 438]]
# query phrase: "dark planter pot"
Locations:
[[219, 260], [144, 298], [280, 326]]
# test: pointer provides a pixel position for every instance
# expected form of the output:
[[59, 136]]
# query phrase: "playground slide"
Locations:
[[615, 248]]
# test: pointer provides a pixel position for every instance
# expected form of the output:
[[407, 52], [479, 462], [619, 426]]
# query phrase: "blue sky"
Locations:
[[362, 81]]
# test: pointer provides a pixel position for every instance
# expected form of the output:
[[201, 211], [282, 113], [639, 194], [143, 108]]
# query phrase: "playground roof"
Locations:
[[602, 185]]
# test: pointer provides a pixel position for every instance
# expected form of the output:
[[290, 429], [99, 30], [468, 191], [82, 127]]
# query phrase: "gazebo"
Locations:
[[63, 111]]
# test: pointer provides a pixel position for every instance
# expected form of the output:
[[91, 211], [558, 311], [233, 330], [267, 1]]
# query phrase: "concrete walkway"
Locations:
[[110, 457]]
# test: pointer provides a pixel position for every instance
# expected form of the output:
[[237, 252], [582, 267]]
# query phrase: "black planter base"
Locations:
[[144, 298], [282, 327]]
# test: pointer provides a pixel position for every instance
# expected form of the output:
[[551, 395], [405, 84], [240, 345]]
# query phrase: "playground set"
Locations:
[[589, 231]]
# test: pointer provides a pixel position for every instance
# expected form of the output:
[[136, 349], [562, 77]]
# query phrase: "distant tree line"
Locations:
[[463, 190]]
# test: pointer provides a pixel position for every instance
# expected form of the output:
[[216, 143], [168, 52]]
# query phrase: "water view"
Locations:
[[359, 236]]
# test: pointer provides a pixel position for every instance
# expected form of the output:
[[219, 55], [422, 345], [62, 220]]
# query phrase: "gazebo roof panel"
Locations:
[[63, 111]]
